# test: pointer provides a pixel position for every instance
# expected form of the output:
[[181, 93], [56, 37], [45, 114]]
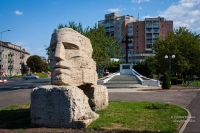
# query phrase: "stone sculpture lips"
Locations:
[[59, 70]]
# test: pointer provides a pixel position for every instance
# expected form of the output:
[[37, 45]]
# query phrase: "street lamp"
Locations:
[[169, 57], [1, 51], [48, 52]]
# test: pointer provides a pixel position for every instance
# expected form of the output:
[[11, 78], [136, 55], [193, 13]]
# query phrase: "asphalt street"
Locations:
[[15, 84]]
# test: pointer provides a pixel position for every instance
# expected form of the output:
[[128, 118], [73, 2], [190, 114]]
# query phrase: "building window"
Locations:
[[168, 25], [148, 45]]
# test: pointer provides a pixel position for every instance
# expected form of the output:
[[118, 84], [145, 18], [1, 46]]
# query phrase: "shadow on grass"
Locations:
[[20, 119], [15, 119]]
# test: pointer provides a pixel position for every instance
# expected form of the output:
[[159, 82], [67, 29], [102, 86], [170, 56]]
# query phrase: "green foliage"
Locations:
[[185, 45], [142, 68], [166, 82], [104, 47], [35, 63], [176, 80], [147, 67], [158, 106], [24, 69], [114, 67]]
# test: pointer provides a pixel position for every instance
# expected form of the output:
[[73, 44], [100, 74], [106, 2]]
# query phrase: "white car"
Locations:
[[30, 76]]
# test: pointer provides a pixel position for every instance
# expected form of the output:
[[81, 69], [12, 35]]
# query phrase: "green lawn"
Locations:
[[118, 116], [41, 75]]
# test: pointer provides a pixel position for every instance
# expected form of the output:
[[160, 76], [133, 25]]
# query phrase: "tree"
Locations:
[[35, 63], [142, 68], [24, 69], [147, 67], [185, 45], [166, 82]]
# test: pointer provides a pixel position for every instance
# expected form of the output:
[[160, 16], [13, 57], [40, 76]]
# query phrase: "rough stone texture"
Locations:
[[60, 106], [98, 96], [72, 64], [71, 59]]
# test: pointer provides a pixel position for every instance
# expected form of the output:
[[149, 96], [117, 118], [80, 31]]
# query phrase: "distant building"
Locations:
[[11, 58], [44, 58], [141, 33]]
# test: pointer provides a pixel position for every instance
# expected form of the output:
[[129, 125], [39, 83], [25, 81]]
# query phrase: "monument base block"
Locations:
[[60, 106], [97, 94]]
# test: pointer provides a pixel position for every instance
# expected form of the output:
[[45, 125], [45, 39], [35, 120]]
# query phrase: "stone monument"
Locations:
[[74, 93]]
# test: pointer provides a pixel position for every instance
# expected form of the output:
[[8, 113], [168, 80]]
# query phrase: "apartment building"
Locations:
[[11, 58], [116, 25], [142, 34]]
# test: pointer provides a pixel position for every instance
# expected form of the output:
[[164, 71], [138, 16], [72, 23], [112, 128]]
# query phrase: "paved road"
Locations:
[[15, 84], [187, 99]]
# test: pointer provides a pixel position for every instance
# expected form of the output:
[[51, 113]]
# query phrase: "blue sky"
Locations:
[[33, 21]]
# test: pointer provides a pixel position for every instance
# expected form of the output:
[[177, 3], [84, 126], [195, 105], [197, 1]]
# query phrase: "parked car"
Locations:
[[30, 76]]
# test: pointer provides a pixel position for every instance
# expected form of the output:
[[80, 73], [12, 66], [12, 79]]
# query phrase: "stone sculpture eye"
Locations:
[[70, 46]]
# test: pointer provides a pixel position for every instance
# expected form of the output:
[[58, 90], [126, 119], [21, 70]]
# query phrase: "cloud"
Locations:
[[117, 10], [114, 10], [184, 13], [139, 1], [18, 12], [140, 7], [21, 43]]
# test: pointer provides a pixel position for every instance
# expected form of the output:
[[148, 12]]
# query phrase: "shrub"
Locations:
[[176, 80], [166, 82]]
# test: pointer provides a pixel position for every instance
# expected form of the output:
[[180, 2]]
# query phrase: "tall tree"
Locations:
[[35, 63], [185, 45]]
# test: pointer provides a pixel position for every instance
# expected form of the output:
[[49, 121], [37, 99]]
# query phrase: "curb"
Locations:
[[3, 80], [186, 121]]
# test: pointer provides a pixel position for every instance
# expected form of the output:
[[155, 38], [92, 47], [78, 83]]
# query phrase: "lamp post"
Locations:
[[1, 51], [169, 57], [48, 52]]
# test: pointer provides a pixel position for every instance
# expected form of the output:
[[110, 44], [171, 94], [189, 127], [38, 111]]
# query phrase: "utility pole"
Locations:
[[126, 41]]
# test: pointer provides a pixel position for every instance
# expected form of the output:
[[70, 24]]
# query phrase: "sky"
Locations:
[[32, 21]]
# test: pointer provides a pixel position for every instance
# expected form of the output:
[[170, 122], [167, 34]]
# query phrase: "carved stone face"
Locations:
[[70, 59]]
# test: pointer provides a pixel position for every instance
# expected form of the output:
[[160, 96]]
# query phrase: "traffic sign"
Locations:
[[1, 73]]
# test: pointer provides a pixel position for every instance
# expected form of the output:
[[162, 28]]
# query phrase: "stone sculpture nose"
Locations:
[[59, 52]]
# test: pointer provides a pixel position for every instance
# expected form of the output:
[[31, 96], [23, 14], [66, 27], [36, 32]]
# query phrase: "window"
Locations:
[[148, 45], [168, 25]]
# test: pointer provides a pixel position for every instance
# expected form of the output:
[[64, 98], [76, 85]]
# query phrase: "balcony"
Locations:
[[149, 25], [149, 31], [149, 36], [11, 54], [10, 67], [156, 31], [22, 56], [156, 25], [10, 60], [148, 41]]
